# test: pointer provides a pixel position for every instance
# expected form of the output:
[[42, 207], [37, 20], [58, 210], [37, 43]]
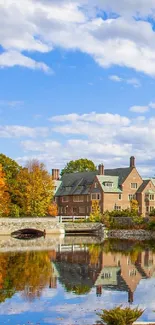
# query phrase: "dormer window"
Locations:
[[96, 185], [108, 184]]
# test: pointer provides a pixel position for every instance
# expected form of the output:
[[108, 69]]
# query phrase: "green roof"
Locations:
[[122, 173], [109, 179], [76, 183], [79, 183]]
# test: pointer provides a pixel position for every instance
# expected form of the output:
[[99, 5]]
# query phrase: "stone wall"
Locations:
[[130, 234], [8, 225], [84, 227]]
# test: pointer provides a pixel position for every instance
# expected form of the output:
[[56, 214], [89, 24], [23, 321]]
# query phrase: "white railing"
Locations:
[[71, 218]]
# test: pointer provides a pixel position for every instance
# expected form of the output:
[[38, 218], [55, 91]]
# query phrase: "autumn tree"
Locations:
[[11, 170], [34, 190], [134, 206], [4, 195], [95, 215], [80, 165], [53, 209]]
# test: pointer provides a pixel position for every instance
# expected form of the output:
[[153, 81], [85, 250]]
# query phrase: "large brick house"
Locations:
[[113, 188]]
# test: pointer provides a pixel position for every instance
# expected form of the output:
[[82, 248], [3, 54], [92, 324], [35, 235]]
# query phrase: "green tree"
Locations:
[[120, 316], [80, 165], [34, 190], [10, 168]]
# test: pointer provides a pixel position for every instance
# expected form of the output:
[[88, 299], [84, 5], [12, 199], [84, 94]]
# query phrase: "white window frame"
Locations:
[[134, 186], [95, 185], [117, 208], [131, 197], [97, 196], [151, 197], [108, 184]]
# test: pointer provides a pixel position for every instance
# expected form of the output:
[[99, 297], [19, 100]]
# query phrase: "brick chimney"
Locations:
[[132, 162], [55, 174], [101, 169]]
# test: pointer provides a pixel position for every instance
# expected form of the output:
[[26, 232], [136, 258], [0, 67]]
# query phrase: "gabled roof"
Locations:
[[122, 173], [143, 185], [76, 183], [79, 183], [103, 179]]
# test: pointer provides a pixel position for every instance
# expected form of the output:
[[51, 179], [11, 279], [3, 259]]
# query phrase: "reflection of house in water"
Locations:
[[120, 273], [112, 271], [75, 271]]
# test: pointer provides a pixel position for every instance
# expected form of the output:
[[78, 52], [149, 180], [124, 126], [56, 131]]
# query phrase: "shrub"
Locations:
[[152, 213], [120, 316], [151, 225]]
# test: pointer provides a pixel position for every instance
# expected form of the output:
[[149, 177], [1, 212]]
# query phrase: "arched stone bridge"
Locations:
[[10, 225]]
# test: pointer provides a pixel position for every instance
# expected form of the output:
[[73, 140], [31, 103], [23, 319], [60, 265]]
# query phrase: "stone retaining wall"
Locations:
[[84, 226], [131, 234]]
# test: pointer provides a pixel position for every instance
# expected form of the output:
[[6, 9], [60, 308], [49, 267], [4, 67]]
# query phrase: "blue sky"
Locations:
[[77, 80]]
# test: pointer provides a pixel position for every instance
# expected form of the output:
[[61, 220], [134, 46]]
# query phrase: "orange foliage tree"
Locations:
[[53, 209], [34, 190], [4, 195]]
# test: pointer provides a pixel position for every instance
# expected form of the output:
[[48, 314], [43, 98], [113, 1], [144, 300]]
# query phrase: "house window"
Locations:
[[131, 197], [147, 209], [65, 199], [61, 210], [106, 275], [96, 185], [108, 184], [134, 185], [117, 208], [151, 209], [151, 197], [96, 196], [75, 210], [78, 198], [120, 196], [82, 210], [132, 272], [65, 210]]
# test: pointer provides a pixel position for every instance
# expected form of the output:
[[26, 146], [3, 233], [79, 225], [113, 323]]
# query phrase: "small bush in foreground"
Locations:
[[120, 316]]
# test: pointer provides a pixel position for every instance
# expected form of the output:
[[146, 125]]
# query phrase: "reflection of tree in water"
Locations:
[[78, 289], [28, 272]]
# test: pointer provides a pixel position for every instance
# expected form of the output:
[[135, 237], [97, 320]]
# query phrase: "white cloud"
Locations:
[[106, 138], [152, 105], [44, 25], [115, 78], [133, 81], [12, 103], [45, 146], [142, 109], [139, 109], [17, 131], [14, 58]]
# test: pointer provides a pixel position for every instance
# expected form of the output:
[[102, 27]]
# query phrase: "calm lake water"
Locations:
[[70, 284]]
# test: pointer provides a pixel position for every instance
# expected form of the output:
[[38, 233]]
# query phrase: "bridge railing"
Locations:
[[71, 218]]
